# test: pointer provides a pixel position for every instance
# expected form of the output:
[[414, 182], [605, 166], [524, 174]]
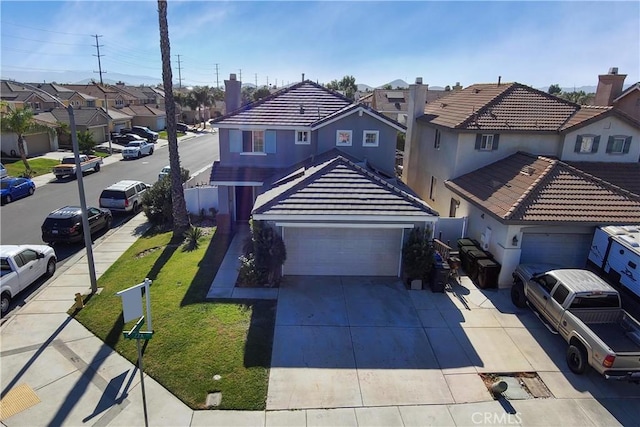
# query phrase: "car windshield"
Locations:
[[133, 144]]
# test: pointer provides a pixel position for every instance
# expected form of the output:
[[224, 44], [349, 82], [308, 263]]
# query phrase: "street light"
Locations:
[[79, 177]]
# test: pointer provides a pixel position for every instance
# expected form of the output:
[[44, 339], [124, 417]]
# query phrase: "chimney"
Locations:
[[609, 87], [457, 87], [499, 80], [416, 105], [232, 94], [302, 76]]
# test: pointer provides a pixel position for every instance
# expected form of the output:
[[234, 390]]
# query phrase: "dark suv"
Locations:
[[65, 224], [143, 132]]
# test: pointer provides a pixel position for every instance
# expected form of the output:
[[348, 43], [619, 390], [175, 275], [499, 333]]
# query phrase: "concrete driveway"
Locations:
[[363, 342]]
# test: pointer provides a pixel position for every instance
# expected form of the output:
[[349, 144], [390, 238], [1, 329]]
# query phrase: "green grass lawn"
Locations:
[[163, 134], [41, 166], [194, 339]]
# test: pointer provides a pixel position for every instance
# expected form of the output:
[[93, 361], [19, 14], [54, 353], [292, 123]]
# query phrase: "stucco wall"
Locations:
[[609, 126]]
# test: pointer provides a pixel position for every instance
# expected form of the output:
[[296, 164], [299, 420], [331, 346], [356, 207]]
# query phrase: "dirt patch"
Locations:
[[528, 383], [148, 251]]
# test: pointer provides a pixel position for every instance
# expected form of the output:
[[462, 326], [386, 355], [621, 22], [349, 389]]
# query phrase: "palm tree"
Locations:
[[179, 207], [86, 141], [202, 97], [20, 121]]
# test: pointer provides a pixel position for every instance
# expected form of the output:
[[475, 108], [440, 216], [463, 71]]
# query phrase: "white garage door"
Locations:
[[566, 249], [342, 251]]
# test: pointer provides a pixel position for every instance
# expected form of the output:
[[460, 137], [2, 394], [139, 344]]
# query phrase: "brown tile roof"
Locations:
[[142, 110], [584, 114], [624, 175], [301, 104], [338, 186], [525, 188], [508, 106]]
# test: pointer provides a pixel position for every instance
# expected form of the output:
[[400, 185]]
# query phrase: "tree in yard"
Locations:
[[202, 98], [554, 89], [179, 206], [346, 85], [19, 121], [260, 93], [64, 133], [85, 141], [247, 94], [578, 97]]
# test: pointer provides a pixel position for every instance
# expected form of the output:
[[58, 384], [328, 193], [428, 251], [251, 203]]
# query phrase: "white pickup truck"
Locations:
[[21, 266], [137, 149], [586, 311], [67, 166]]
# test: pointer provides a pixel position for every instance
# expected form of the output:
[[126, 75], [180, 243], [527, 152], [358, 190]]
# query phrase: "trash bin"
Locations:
[[439, 276], [465, 261], [467, 242], [474, 256], [488, 272]]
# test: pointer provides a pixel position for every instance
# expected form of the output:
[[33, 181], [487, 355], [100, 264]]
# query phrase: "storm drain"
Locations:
[[520, 386]]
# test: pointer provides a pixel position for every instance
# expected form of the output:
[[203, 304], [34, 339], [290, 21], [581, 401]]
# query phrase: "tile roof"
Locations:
[[624, 175], [627, 91], [221, 173], [142, 110], [584, 114], [83, 116], [329, 186], [301, 104], [349, 109], [397, 100], [525, 188], [508, 106]]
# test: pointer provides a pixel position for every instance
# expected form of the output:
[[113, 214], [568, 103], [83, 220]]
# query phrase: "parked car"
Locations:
[[124, 196], [137, 149], [164, 172], [586, 312], [182, 127], [3, 171], [65, 224], [16, 188], [143, 132], [67, 166], [124, 139], [21, 266]]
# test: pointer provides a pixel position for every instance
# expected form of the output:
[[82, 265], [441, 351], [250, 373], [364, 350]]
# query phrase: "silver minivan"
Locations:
[[123, 196]]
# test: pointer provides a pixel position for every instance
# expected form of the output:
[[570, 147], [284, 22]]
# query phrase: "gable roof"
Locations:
[[353, 108], [301, 104], [83, 116], [524, 188], [331, 185], [589, 114], [142, 110], [627, 91], [624, 175]]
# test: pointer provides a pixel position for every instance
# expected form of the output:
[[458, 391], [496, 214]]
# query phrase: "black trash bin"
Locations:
[[474, 256], [439, 276], [467, 242], [465, 260], [488, 272]]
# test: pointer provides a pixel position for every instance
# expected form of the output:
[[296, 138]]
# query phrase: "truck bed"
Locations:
[[614, 327]]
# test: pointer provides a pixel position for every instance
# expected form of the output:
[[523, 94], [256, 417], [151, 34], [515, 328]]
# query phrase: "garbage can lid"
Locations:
[[487, 263]]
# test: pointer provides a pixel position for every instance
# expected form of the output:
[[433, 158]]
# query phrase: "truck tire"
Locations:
[[518, 297], [4, 304], [97, 167], [151, 151], [51, 267], [577, 359]]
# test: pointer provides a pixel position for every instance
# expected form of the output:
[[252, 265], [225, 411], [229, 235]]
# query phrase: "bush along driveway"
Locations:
[[195, 341]]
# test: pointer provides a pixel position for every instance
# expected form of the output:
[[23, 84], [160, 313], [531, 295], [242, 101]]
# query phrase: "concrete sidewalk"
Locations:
[[56, 372]]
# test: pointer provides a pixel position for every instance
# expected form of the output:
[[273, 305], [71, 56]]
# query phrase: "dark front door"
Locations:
[[244, 203]]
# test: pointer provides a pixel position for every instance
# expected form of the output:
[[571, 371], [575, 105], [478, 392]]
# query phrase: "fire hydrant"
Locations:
[[79, 301]]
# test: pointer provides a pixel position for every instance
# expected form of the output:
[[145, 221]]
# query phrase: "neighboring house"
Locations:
[[320, 169], [92, 119], [146, 115], [118, 120], [395, 103], [475, 129], [66, 96], [610, 93], [104, 94], [20, 96]]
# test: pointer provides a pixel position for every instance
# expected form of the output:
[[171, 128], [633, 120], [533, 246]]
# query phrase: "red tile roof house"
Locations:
[[531, 173], [321, 170]]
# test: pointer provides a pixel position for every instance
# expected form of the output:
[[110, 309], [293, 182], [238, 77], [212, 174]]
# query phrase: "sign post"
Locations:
[[131, 309]]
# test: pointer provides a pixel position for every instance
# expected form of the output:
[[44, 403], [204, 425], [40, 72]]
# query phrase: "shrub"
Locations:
[[192, 238], [248, 273], [85, 141], [417, 254], [156, 201], [267, 252]]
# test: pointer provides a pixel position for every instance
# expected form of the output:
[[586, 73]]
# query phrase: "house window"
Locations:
[[587, 144], [35, 105], [343, 137], [617, 145], [119, 102], [486, 143], [370, 138], [436, 140], [432, 189], [91, 103], [257, 141], [302, 137], [453, 207]]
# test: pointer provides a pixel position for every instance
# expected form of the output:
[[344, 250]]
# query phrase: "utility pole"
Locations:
[[240, 69], [256, 80], [179, 73], [217, 77], [267, 81], [98, 46]]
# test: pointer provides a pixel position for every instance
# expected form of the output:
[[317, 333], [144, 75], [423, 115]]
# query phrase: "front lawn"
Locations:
[[163, 134], [194, 339], [39, 166]]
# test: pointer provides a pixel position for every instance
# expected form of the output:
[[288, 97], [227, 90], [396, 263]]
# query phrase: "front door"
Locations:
[[244, 203]]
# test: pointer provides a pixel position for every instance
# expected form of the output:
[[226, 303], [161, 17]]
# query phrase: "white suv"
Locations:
[[124, 196]]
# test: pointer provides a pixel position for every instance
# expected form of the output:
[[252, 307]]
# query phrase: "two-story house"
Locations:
[[507, 157], [321, 170]]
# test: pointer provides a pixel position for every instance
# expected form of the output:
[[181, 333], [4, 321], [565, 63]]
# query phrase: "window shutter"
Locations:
[[610, 144], [578, 144], [627, 145], [496, 139], [270, 141], [478, 140], [235, 141], [596, 143]]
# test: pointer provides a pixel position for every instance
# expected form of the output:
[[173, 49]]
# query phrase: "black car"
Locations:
[[65, 224], [143, 132], [124, 139], [182, 127]]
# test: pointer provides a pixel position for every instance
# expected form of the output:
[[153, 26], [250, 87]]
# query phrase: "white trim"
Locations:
[[364, 138], [252, 153], [339, 225], [237, 183], [345, 114], [487, 140], [298, 142], [346, 218], [342, 144]]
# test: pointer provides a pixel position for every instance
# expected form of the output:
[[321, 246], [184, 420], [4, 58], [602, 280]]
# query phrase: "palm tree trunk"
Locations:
[[180, 215], [23, 154]]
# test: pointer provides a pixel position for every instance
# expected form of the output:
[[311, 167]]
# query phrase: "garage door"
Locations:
[[566, 249], [342, 251], [38, 143]]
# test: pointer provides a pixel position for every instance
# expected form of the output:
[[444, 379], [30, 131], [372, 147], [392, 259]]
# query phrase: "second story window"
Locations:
[[343, 138], [586, 144], [303, 137], [119, 103], [436, 140], [370, 138], [487, 142], [257, 141], [35, 105], [618, 144]]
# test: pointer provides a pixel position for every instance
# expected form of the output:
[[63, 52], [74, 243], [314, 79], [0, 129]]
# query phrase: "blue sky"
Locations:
[[535, 43]]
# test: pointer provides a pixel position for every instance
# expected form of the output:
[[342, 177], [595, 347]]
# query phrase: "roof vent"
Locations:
[[301, 109], [476, 90], [443, 104], [527, 170], [419, 80], [613, 70]]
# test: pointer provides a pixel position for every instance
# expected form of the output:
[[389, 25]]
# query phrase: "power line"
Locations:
[[43, 41], [42, 53], [41, 29]]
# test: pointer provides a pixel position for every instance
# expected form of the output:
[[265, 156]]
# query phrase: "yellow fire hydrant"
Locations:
[[79, 301]]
